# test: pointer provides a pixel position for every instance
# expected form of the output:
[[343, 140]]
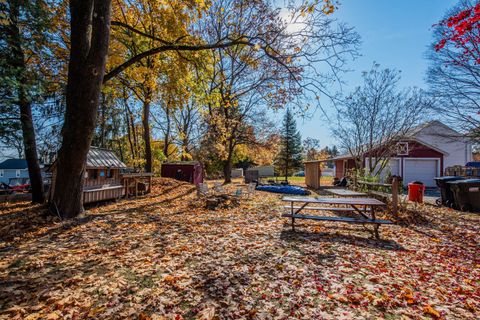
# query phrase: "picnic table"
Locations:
[[363, 207], [345, 193]]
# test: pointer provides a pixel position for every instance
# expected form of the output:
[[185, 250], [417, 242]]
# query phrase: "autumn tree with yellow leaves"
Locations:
[[102, 31]]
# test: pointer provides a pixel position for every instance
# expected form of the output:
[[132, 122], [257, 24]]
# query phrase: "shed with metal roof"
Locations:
[[103, 180]]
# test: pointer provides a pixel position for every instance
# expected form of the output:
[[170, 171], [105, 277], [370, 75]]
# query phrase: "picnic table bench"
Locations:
[[360, 206], [345, 193]]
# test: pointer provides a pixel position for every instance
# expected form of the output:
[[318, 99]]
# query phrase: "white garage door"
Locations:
[[420, 170]]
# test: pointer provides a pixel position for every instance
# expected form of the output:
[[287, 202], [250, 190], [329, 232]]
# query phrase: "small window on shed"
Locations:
[[94, 174], [1, 173], [17, 173], [102, 173], [109, 173]]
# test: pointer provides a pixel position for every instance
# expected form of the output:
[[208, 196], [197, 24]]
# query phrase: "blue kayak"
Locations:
[[284, 189]]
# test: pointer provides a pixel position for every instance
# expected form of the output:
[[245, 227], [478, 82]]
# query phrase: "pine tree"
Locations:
[[334, 151], [290, 155]]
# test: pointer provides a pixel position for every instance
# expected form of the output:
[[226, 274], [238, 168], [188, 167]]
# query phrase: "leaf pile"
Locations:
[[164, 256]]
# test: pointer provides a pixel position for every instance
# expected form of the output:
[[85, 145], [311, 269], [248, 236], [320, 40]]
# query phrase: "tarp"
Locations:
[[473, 164], [284, 189]]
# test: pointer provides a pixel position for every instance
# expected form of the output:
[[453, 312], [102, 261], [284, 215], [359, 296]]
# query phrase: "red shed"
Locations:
[[190, 171]]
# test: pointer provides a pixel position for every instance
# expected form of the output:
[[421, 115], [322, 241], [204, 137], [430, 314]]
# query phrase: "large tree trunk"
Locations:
[[90, 31], [17, 60], [227, 171], [227, 164], [30, 145], [103, 126], [146, 135]]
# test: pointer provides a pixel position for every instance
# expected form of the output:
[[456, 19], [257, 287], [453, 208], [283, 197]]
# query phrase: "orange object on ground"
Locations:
[[415, 192]]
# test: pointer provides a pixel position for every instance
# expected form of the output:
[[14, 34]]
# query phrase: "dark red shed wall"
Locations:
[[192, 173]]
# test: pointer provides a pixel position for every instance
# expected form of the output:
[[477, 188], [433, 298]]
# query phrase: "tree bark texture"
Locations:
[[90, 31], [146, 135], [17, 60]]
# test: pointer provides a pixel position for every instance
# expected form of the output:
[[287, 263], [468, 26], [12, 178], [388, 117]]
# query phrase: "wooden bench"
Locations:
[[323, 208], [338, 219], [346, 193]]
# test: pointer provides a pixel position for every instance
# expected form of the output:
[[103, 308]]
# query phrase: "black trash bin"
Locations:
[[466, 194], [447, 194]]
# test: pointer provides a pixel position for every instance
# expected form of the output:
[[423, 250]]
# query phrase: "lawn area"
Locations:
[[164, 256], [324, 180]]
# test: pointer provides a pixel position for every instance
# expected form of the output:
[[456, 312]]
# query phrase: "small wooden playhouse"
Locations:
[[103, 179]]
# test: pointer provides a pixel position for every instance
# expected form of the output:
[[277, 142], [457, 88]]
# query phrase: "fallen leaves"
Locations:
[[164, 256], [428, 309]]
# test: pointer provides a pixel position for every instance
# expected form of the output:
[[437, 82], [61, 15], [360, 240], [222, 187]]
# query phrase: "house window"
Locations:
[[402, 148], [102, 173], [94, 174], [1, 174], [109, 173], [17, 173]]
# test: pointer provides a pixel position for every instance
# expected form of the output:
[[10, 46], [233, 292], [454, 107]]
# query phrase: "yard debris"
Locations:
[[166, 256], [222, 201]]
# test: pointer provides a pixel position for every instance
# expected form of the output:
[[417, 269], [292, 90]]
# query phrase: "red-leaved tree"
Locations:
[[454, 72], [463, 31]]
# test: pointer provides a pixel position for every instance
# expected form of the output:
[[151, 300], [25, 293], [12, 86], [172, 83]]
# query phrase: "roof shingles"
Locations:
[[99, 157], [17, 164]]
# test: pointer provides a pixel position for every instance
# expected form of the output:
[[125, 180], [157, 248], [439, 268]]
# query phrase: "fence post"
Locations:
[[395, 196]]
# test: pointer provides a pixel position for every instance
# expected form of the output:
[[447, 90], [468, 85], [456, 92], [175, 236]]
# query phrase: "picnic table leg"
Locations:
[[376, 226], [293, 219]]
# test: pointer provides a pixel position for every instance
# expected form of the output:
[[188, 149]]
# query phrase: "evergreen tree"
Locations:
[[290, 155], [334, 151], [23, 57]]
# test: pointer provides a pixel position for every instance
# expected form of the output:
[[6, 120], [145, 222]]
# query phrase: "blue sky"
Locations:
[[395, 34]]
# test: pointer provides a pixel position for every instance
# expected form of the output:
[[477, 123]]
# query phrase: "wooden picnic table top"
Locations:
[[346, 192], [348, 201]]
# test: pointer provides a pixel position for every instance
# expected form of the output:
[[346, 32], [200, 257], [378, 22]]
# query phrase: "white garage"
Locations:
[[392, 168], [424, 170]]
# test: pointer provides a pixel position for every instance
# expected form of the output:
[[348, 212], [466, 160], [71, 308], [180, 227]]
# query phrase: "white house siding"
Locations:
[[11, 173], [457, 147]]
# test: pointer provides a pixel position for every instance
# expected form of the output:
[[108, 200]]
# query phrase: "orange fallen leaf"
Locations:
[[428, 309], [169, 279], [53, 316], [470, 306]]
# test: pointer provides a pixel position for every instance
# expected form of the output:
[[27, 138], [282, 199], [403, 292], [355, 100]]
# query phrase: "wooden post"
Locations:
[[136, 187], [319, 177], [395, 196]]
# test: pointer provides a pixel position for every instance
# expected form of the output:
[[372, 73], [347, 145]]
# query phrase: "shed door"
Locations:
[[424, 170]]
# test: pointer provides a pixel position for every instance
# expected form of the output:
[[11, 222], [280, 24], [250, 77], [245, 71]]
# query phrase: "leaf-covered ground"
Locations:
[[165, 257]]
